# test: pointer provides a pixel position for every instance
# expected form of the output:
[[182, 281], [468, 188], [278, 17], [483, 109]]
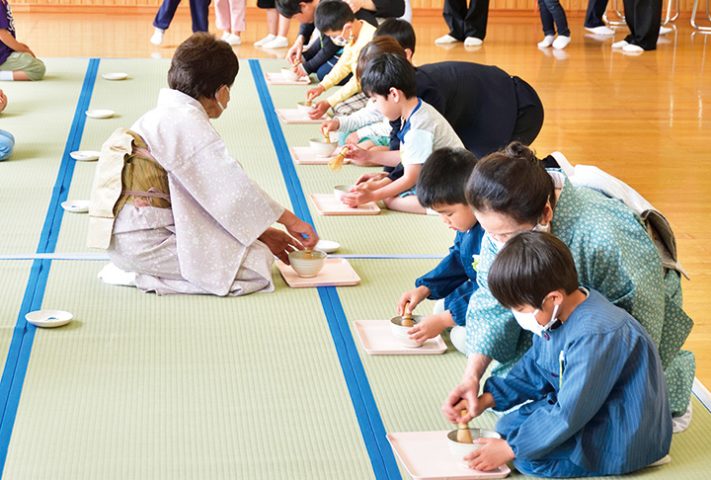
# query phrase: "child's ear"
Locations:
[[408, 55]]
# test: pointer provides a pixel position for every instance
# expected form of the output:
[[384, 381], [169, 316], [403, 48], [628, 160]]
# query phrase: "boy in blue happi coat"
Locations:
[[593, 378], [440, 187]]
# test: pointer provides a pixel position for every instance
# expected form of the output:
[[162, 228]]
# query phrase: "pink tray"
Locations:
[[425, 456], [293, 115], [276, 78], [376, 338], [304, 156], [337, 272], [328, 204]]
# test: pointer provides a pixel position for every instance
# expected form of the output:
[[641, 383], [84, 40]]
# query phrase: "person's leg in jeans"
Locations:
[[200, 11], [593, 15], [561, 22], [476, 19], [643, 18], [546, 19], [454, 12], [165, 14], [325, 69]]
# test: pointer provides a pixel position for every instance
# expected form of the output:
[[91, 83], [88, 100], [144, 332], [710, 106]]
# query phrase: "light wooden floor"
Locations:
[[646, 119]]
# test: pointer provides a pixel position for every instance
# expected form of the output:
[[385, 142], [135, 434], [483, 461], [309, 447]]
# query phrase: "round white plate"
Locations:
[[49, 318], [76, 206], [100, 113], [115, 76], [328, 246], [85, 155]]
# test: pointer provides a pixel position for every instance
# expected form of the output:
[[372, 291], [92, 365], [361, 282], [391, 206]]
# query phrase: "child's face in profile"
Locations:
[[388, 104], [459, 217]]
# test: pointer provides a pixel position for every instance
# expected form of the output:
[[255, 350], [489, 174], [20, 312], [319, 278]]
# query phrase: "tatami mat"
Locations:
[[140, 386], [410, 390], [39, 115], [390, 232], [13, 279]]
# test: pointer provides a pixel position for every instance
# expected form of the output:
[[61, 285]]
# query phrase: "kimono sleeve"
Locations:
[[491, 329], [222, 188]]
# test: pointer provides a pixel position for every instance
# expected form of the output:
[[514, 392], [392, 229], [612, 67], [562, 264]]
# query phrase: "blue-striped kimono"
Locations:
[[598, 397]]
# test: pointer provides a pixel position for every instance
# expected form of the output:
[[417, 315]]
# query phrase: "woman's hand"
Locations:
[[303, 231], [280, 243]]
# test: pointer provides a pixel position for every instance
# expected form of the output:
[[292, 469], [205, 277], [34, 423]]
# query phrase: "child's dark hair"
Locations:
[[511, 181], [289, 8], [388, 71], [332, 16], [400, 30], [530, 266], [201, 65], [375, 48], [444, 176]]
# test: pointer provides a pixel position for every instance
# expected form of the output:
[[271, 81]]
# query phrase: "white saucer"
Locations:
[[328, 246], [100, 113], [76, 206], [115, 76], [49, 318], [85, 155]]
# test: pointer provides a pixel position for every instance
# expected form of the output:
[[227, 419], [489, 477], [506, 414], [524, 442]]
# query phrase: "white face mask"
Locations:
[[219, 103], [339, 41], [499, 245], [528, 321]]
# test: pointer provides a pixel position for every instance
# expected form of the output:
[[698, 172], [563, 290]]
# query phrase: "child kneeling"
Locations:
[[389, 81], [440, 187], [17, 61], [593, 377]]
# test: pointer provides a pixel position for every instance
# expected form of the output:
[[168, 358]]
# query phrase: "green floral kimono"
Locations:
[[613, 255]]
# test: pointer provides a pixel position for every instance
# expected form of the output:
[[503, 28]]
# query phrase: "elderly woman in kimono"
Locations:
[[511, 192], [175, 211]]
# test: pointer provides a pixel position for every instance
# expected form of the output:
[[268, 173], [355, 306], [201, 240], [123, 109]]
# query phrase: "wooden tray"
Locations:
[[376, 338], [337, 272], [328, 204], [293, 115], [276, 78], [425, 456]]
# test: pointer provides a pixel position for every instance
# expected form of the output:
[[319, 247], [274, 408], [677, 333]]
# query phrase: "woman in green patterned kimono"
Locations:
[[511, 192]]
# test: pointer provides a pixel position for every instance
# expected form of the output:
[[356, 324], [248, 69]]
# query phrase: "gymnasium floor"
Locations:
[[277, 385]]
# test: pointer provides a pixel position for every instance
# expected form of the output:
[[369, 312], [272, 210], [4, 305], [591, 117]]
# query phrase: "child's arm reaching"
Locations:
[[7, 38], [402, 184], [362, 157]]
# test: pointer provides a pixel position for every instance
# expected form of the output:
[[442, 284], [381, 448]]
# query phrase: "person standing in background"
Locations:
[[465, 24], [199, 11], [230, 17], [277, 27]]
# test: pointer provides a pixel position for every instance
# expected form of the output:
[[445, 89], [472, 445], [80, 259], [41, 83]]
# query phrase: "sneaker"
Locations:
[[157, 37], [561, 42], [266, 39], [632, 49], [445, 40], [665, 30], [619, 45], [473, 42], [225, 36], [546, 42], [277, 42], [601, 30], [233, 39]]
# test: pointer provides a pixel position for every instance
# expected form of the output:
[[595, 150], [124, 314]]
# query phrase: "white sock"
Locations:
[[6, 75]]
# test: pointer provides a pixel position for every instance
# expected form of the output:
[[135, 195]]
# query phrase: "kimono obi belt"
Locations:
[[126, 172]]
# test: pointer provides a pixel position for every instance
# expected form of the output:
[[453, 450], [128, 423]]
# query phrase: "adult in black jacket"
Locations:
[[323, 54], [487, 107]]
